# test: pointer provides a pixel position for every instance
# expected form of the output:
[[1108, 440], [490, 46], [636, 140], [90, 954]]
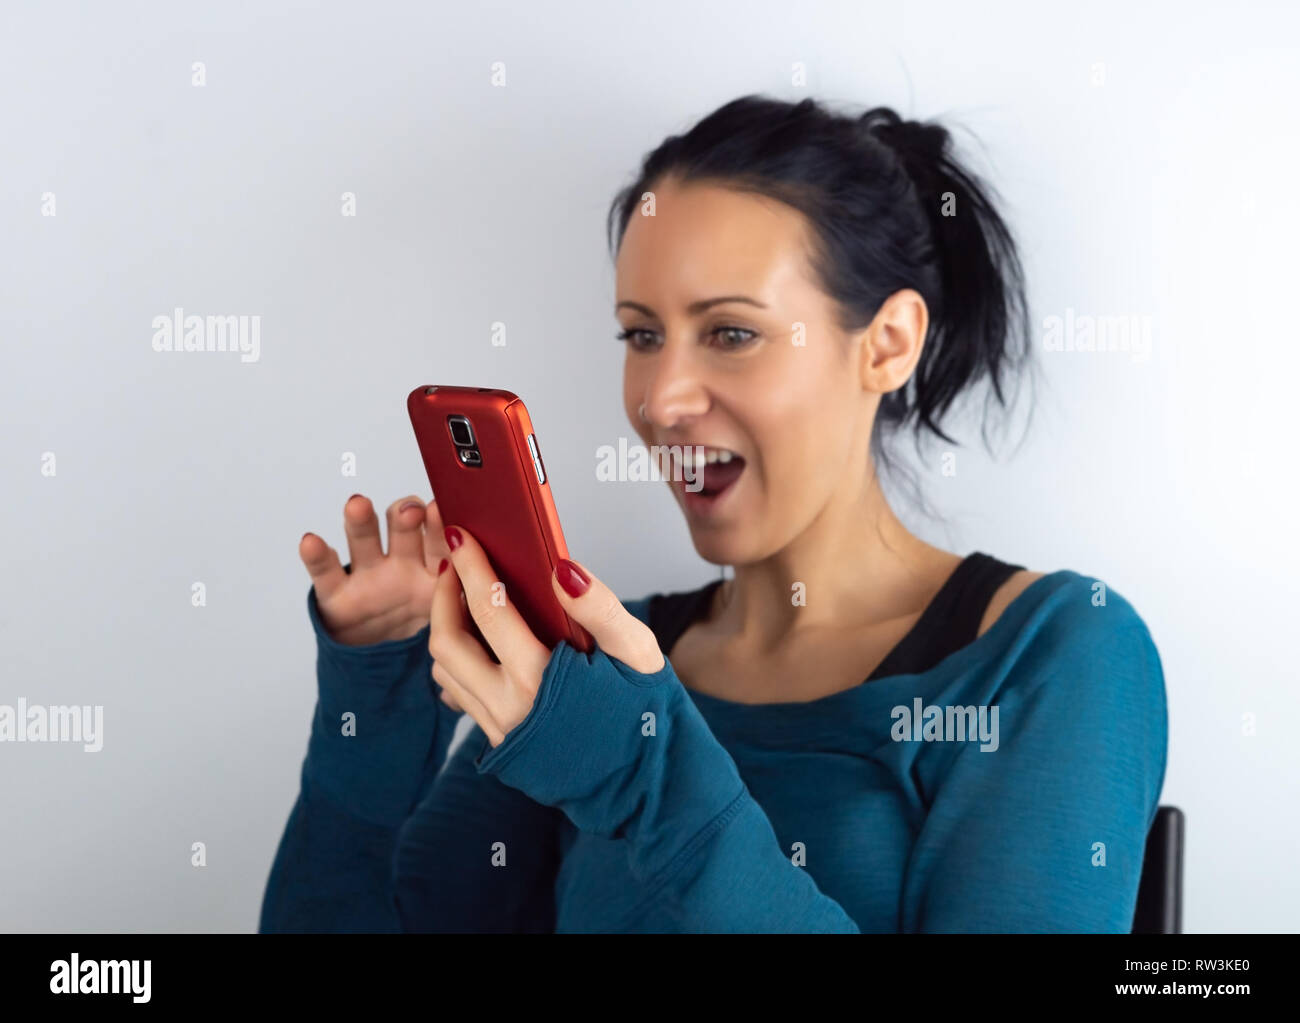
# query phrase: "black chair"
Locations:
[[1160, 892]]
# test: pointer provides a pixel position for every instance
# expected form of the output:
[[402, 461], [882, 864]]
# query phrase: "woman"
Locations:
[[799, 282]]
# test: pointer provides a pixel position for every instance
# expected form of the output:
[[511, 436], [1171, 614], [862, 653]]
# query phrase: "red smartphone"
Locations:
[[486, 471]]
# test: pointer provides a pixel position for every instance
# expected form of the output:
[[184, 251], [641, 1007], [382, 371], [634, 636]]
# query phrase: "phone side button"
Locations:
[[537, 459]]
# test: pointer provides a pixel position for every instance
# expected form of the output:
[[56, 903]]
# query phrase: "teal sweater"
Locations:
[[625, 802]]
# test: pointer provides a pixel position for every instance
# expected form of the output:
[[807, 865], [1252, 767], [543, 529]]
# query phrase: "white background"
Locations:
[[1166, 191]]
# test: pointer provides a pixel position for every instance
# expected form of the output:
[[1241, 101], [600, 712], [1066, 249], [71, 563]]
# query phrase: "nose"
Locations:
[[675, 390]]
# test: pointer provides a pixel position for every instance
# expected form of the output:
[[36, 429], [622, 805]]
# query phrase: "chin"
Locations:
[[720, 546]]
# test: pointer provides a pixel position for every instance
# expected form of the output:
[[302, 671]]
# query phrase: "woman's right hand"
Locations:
[[385, 596]]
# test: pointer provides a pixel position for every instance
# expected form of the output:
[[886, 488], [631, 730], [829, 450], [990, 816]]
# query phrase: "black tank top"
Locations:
[[948, 623]]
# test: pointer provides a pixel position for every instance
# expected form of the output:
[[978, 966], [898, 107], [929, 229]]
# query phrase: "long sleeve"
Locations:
[[333, 868], [628, 755], [476, 856], [1047, 832]]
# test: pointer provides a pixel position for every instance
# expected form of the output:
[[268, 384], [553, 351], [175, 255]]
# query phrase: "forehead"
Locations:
[[708, 240]]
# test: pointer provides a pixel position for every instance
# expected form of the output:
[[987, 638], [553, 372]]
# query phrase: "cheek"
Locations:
[[802, 426]]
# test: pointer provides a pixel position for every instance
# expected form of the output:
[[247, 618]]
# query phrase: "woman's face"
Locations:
[[764, 375]]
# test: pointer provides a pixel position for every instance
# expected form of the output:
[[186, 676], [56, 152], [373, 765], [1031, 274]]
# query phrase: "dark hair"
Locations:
[[890, 208]]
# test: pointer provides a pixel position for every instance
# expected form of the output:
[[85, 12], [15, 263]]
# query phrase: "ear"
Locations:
[[890, 347]]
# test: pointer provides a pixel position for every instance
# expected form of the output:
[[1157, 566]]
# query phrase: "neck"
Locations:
[[858, 566]]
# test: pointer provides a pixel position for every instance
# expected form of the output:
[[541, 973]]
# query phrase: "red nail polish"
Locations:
[[571, 578], [454, 539], [442, 566]]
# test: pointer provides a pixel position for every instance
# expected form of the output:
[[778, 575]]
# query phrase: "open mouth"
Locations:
[[706, 473]]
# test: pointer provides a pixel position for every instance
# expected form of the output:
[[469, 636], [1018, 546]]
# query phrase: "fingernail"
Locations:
[[352, 498], [303, 537], [408, 504], [571, 578], [454, 539], [442, 566]]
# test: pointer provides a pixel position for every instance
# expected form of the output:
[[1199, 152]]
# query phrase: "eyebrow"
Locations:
[[695, 308]]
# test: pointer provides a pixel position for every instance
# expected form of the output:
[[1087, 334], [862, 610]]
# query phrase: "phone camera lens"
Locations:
[[460, 431], [470, 456]]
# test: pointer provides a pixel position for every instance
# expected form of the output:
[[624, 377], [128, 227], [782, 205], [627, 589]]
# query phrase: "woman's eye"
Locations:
[[633, 338], [725, 338], [729, 337]]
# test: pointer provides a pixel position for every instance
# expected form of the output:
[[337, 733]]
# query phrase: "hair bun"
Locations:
[[909, 139]]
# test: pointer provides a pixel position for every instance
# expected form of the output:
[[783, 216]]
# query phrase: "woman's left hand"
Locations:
[[500, 696]]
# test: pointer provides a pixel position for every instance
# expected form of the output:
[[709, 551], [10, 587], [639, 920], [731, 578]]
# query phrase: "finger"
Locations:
[[362, 529], [322, 562], [450, 700], [449, 636], [450, 642], [454, 695], [406, 529], [473, 707], [490, 606], [435, 545], [617, 631]]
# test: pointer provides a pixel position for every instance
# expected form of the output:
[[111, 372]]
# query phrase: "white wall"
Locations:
[[1164, 192]]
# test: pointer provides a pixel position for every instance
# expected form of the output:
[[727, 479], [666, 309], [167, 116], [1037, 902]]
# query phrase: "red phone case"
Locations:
[[505, 502]]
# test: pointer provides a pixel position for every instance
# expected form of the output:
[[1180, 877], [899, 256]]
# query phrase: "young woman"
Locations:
[[858, 731]]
